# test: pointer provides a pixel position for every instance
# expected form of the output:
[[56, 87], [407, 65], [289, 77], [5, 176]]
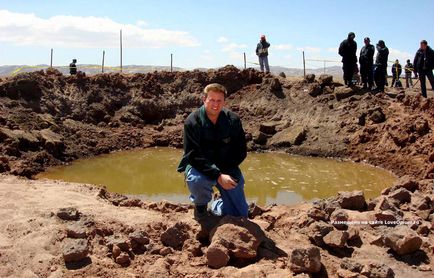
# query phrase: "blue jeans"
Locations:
[[263, 62], [232, 202]]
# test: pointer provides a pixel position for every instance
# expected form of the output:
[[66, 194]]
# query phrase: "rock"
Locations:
[[193, 246], [75, 250], [119, 241], [377, 270], [239, 235], [255, 210], [351, 265], [420, 201], [406, 182], [217, 256], [310, 78], [52, 141], [385, 217], [272, 85], [282, 74], [377, 116], [116, 251], [76, 231], [352, 200], [123, 259], [294, 135], [166, 251], [400, 196], [343, 273], [260, 138], [314, 89], [268, 128], [176, 235], [403, 240], [325, 80], [353, 233], [336, 239], [317, 230], [343, 93], [421, 126], [317, 214], [140, 237], [305, 260], [339, 218], [423, 229], [68, 214]]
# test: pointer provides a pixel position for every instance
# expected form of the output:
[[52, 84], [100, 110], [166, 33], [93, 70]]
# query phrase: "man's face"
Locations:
[[367, 42], [214, 102], [423, 46]]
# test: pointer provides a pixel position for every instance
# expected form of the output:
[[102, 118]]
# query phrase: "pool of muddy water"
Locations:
[[150, 174]]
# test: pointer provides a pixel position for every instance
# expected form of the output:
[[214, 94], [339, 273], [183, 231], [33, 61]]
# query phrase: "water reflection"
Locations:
[[270, 177]]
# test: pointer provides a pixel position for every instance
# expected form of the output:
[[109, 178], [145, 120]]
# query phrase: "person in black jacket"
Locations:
[[262, 53], [366, 60], [347, 50], [380, 71], [396, 73], [214, 147], [423, 65], [73, 67]]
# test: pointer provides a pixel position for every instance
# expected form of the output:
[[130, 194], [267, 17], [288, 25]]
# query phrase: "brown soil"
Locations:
[[49, 119]]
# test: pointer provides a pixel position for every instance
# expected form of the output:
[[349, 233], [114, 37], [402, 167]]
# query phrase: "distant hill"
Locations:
[[94, 69]]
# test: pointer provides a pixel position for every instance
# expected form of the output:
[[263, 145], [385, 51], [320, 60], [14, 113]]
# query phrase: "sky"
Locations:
[[205, 33]]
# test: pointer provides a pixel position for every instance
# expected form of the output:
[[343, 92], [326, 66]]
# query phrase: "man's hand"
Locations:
[[226, 181]]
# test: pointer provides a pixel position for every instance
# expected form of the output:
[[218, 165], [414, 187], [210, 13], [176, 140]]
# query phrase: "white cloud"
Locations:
[[233, 46], [282, 46], [333, 49], [309, 49], [402, 56], [84, 32], [142, 23], [222, 39], [207, 55]]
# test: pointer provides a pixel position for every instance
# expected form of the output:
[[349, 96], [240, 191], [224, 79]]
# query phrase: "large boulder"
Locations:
[[268, 128], [403, 240], [310, 78], [325, 80], [52, 142], [352, 200], [336, 239], [75, 250], [233, 238], [343, 93], [176, 235], [317, 230], [305, 260], [294, 135]]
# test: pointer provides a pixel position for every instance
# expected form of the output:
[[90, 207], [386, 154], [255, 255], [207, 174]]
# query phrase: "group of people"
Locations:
[[376, 72]]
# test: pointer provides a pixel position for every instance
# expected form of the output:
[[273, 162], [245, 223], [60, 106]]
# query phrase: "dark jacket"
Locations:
[[72, 68], [347, 50], [409, 68], [424, 60], [213, 149], [382, 56], [396, 70], [262, 48], [367, 55]]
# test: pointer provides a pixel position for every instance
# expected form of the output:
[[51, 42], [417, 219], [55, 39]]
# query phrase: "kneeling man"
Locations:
[[214, 147]]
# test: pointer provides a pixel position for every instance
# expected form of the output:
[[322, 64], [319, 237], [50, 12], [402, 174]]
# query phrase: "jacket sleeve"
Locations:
[[239, 146], [341, 49], [415, 62], [194, 154], [257, 49]]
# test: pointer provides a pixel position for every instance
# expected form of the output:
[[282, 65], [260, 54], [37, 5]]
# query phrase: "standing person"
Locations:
[[380, 72], [214, 147], [408, 72], [262, 52], [366, 61], [423, 65], [347, 50], [73, 67], [396, 73]]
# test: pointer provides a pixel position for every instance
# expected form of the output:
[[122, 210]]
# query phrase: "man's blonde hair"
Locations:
[[215, 87]]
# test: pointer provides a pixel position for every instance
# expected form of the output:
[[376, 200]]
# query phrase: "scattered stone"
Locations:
[[343, 273], [377, 116], [75, 250], [282, 74], [421, 126], [377, 270], [217, 256], [76, 231], [336, 239], [305, 260], [68, 214], [343, 93], [353, 233], [116, 251], [352, 200], [166, 251], [339, 218], [294, 135], [260, 138], [193, 246], [403, 240], [351, 265], [255, 210], [52, 141], [400, 196], [176, 235], [317, 214], [385, 217], [314, 89], [268, 128], [406, 182], [140, 237], [420, 201], [425, 268], [310, 78], [119, 241], [123, 259], [325, 80], [317, 230]]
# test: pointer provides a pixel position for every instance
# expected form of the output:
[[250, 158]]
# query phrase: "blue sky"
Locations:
[[205, 33]]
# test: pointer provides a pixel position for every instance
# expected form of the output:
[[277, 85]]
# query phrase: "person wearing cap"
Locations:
[[366, 60], [347, 50], [214, 147], [408, 69], [262, 53], [423, 66], [73, 67], [380, 71], [396, 73]]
